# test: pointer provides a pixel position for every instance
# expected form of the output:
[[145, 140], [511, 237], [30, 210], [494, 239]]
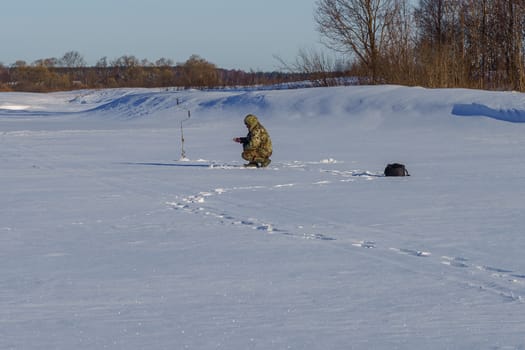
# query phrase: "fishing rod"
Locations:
[[183, 152]]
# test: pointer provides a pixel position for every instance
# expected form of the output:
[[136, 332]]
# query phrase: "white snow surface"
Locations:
[[109, 241]]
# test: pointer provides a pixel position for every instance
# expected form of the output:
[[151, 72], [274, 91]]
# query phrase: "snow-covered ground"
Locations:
[[109, 241]]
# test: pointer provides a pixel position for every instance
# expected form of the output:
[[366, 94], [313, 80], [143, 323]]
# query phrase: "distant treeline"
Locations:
[[71, 72], [431, 43]]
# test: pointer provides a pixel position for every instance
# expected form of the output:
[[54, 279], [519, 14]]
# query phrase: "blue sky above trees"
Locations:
[[233, 34]]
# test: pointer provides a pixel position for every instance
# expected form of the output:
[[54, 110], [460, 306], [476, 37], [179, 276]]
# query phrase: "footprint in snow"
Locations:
[[412, 252], [365, 244], [318, 236], [493, 269], [454, 261]]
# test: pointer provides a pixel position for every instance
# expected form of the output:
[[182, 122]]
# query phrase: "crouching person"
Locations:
[[257, 145]]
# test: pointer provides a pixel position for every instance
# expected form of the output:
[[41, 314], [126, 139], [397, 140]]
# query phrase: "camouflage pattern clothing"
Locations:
[[257, 145]]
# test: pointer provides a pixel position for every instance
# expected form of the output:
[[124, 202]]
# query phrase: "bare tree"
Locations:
[[397, 59], [359, 27], [197, 72], [477, 37], [433, 20], [102, 62], [164, 62], [128, 70], [126, 61], [46, 62], [472, 43], [317, 65], [4, 77], [72, 59], [511, 19], [19, 63], [441, 42]]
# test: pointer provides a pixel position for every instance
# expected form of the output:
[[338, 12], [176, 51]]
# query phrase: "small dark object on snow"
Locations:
[[396, 169]]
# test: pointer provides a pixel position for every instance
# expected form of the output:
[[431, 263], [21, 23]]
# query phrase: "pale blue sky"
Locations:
[[233, 34]]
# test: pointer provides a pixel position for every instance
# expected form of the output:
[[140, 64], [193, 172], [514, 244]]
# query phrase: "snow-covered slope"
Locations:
[[109, 241]]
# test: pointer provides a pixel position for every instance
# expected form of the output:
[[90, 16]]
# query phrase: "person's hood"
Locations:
[[251, 121]]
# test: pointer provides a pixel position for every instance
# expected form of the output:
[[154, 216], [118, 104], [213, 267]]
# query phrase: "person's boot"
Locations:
[[265, 163], [251, 165]]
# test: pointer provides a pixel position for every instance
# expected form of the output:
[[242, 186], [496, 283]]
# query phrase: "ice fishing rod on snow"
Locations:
[[183, 153]]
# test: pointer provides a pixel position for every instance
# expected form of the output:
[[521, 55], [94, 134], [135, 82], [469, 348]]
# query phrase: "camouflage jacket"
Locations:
[[257, 140]]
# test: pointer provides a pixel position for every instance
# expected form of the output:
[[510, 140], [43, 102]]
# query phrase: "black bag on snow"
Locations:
[[396, 169]]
